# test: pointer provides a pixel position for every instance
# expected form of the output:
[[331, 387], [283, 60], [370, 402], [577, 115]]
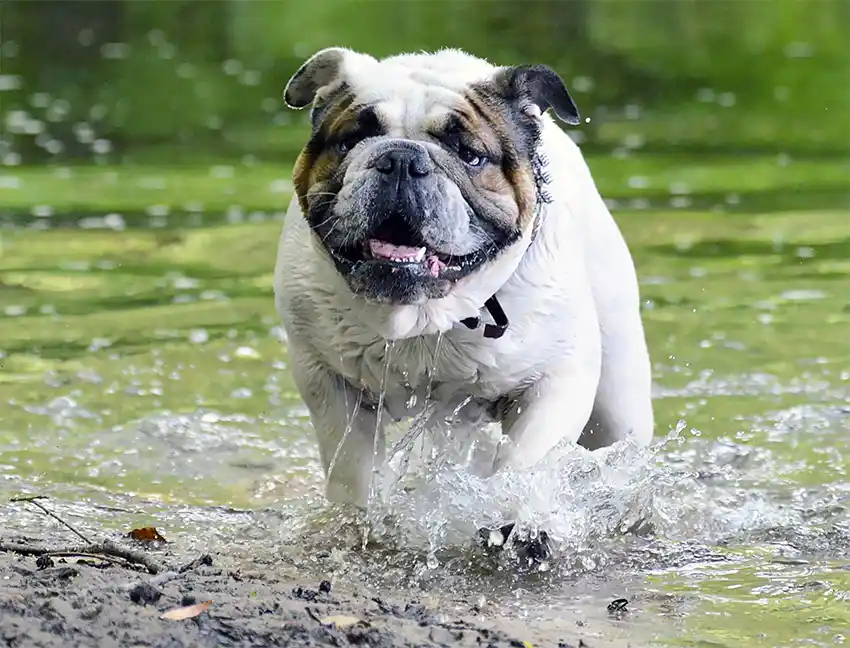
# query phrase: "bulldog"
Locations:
[[446, 247]]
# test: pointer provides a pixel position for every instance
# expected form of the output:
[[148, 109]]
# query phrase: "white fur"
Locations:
[[574, 356]]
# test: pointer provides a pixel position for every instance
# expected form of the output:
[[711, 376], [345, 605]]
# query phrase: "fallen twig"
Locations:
[[167, 576], [137, 557], [205, 559], [106, 548], [32, 500]]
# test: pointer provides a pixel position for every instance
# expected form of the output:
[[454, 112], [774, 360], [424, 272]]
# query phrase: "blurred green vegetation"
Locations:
[[166, 79]]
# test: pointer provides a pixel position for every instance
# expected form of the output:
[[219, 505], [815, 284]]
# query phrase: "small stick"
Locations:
[[106, 548], [23, 549], [206, 559], [112, 549], [312, 615], [32, 500], [82, 554]]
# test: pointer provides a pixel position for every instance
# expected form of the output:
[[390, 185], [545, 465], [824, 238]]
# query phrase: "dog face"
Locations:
[[420, 169]]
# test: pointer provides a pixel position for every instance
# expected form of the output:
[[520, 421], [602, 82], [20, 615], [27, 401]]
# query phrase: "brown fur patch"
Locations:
[[513, 174], [318, 163]]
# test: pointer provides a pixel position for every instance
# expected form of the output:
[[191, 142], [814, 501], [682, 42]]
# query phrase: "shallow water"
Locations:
[[144, 381]]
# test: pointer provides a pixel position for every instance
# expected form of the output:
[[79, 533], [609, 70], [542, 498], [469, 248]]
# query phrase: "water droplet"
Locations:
[[251, 78], [156, 37], [114, 222], [280, 186], [83, 132], [42, 211], [10, 182], [706, 95], [781, 93], [99, 343], [10, 82], [726, 99], [115, 50], [222, 171], [186, 70], [158, 210], [799, 50], [101, 146], [199, 336], [85, 37], [54, 147], [582, 84], [167, 51], [231, 67], [9, 49], [247, 352], [634, 140]]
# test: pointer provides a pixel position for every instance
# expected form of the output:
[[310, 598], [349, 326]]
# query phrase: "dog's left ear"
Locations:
[[320, 70], [534, 89]]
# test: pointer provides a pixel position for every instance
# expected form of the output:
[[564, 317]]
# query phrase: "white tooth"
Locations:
[[420, 254]]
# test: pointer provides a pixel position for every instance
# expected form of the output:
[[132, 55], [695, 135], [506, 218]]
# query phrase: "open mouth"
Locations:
[[395, 244]]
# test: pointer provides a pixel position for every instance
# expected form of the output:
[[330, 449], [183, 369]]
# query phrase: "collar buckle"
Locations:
[[500, 325]]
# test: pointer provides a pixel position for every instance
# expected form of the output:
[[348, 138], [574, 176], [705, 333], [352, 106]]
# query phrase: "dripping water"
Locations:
[[389, 345], [351, 418]]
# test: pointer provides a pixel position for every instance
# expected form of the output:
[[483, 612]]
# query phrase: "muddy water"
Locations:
[[144, 381]]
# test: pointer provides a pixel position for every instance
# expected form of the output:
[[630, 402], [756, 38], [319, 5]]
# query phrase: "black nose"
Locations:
[[404, 162]]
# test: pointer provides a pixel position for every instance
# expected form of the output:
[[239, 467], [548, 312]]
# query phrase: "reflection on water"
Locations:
[[183, 414]]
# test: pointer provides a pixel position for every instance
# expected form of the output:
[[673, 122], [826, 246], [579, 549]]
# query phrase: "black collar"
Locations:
[[501, 323], [495, 330]]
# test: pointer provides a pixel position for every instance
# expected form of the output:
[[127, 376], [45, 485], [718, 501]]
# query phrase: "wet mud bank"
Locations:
[[86, 601]]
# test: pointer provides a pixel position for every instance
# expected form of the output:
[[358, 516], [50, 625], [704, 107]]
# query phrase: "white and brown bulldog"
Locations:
[[438, 206]]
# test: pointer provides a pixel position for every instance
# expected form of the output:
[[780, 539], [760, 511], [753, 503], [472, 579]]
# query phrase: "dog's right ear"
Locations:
[[320, 70]]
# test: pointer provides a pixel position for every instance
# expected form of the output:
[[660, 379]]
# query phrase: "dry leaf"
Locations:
[[342, 621], [187, 612], [146, 534]]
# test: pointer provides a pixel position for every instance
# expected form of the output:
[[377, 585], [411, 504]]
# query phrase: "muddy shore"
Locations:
[[74, 602]]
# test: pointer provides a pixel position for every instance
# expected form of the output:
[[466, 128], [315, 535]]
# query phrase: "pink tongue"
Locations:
[[384, 250], [435, 266]]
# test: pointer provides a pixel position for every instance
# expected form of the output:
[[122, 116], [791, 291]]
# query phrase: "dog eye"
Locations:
[[470, 157], [347, 143]]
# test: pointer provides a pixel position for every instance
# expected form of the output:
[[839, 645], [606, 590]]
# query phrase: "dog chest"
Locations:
[[442, 368]]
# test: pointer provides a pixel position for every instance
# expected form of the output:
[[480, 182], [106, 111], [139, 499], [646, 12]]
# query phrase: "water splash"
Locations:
[[433, 370], [379, 438], [345, 434]]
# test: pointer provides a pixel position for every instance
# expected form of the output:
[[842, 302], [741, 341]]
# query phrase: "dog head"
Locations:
[[421, 169]]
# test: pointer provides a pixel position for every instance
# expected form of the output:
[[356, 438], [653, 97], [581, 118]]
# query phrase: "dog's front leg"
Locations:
[[351, 438], [556, 407]]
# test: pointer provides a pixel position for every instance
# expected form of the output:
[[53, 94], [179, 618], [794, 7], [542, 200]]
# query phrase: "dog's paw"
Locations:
[[532, 548], [494, 539]]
